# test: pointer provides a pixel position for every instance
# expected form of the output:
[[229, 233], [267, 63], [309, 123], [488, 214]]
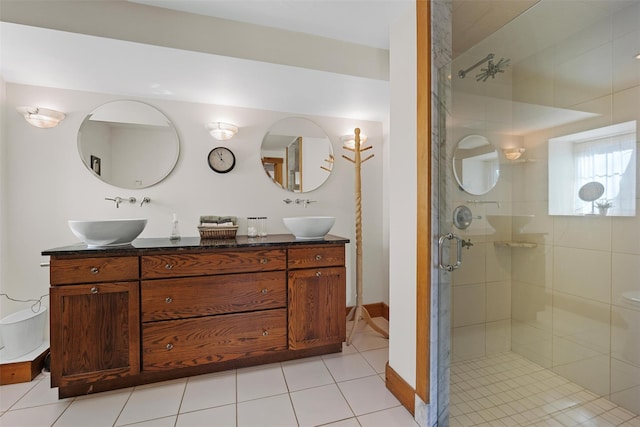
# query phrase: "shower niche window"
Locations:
[[594, 172]]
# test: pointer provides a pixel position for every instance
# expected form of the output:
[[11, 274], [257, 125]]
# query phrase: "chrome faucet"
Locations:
[[305, 202], [145, 200], [119, 200]]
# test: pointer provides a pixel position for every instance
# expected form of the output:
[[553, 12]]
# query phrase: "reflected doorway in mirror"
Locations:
[[96, 164], [273, 167], [294, 154]]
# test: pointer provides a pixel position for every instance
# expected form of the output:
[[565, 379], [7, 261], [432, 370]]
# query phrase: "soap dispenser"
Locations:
[[175, 228]]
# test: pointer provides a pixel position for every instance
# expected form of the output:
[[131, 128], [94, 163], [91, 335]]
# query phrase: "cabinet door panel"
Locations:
[[95, 332], [317, 302], [175, 344], [164, 299]]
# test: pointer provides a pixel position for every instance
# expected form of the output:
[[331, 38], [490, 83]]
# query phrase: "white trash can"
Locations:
[[22, 332]]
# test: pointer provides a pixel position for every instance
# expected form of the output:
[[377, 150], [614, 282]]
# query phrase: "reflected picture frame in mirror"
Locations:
[[476, 165], [128, 144], [297, 154]]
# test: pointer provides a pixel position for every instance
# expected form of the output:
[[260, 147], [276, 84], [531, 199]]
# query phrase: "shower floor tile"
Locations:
[[508, 390]]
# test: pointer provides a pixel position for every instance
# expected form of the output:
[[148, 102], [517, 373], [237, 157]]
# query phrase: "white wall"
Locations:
[[48, 185], [3, 190], [402, 199]]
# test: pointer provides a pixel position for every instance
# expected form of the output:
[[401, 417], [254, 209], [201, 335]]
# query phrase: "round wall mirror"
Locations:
[[128, 144], [475, 164], [297, 154]]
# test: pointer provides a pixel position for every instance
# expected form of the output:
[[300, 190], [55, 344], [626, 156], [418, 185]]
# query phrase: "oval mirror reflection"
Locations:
[[476, 165], [128, 144], [297, 154]]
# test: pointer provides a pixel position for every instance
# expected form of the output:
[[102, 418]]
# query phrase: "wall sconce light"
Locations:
[[513, 153], [350, 140], [222, 131], [41, 117]]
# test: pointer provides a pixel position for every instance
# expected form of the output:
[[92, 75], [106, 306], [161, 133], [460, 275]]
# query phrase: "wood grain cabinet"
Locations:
[[95, 326], [140, 315], [237, 309], [316, 296]]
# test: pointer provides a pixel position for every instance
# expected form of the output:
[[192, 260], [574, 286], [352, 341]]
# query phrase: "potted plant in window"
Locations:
[[603, 206]]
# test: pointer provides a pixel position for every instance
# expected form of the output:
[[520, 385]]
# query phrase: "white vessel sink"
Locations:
[[109, 232], [498, 222], [309, 227]]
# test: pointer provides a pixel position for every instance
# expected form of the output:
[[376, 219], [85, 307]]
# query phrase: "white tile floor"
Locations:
[[341, 390], [507, 390]]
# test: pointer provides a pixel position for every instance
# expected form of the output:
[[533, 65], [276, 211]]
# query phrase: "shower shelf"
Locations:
[[515, 244]]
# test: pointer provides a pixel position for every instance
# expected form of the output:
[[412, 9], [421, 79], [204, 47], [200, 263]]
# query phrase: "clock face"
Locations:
[[221, 160]]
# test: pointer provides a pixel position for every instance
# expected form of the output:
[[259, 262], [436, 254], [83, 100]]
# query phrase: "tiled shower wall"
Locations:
[[560, 301], [568, 310]]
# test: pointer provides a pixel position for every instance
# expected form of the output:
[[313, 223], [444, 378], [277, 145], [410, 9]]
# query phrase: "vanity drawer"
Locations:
[[316, 256], [65, 271], [175, 344], [160, 266], [164, 299]]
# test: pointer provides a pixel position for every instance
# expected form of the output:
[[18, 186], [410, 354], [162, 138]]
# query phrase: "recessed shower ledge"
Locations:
[[515, 244]]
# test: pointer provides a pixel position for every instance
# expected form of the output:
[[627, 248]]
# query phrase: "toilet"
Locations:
[[632, 297], [22, 332], [631, 350]]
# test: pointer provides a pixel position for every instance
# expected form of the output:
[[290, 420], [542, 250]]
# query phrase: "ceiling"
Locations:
[[363, 22], [107, 65], [72, 59]]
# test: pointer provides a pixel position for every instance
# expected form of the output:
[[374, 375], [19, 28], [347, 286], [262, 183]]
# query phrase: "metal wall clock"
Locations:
[[221, 160]]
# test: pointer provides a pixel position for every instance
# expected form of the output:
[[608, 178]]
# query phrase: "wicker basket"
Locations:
[[220, 232]]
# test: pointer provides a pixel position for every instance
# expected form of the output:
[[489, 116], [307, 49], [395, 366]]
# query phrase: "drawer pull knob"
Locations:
[[318, 273], [94, 290], [265, 333], [168, 300], [318, 257], [95, 270], [264, 261], [169, 346], [168, 266], [265, 291]]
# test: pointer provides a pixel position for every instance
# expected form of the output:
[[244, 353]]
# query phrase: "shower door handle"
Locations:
[[441, 264]]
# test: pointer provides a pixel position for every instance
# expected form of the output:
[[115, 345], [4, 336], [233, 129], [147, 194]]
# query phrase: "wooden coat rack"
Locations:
[[359, 311]]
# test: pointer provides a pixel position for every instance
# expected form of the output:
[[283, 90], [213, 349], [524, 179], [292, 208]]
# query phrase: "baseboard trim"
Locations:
[[377, 309], [400, 389], [394, 382]]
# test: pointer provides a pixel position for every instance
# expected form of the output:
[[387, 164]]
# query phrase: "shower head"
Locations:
[[491, 70]]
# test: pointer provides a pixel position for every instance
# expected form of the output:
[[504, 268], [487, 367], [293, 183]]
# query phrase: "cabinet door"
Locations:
[[317, 302], [95, 332]]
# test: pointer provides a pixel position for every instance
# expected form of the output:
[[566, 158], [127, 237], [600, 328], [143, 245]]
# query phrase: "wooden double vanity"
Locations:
[[158, 309]]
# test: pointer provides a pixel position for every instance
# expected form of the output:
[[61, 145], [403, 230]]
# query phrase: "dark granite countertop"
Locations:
[[191, 244]]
